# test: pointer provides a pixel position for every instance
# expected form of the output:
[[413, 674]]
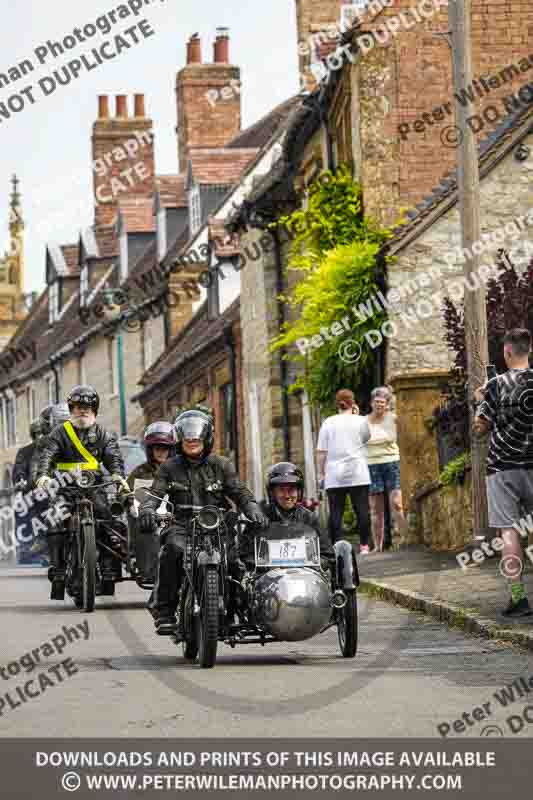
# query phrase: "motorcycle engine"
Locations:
[[292, 604]]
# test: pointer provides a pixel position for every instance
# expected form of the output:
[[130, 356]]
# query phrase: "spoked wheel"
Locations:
[[190, 641], [88, 566], [347, 625], [207, 620]]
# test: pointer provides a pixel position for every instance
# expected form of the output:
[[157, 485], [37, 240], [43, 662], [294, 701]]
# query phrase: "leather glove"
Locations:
[[43, 482], [147, 520], [255, 515]]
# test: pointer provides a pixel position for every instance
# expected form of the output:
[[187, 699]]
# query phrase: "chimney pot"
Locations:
[[221, 46], [139, 105], [194, 50], [103, 107], [122, 106]]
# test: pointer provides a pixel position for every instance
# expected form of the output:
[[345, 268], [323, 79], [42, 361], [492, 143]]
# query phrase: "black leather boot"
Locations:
[[56, 572]]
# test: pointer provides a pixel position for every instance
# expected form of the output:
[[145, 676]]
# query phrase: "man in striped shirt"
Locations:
[[507, 412]]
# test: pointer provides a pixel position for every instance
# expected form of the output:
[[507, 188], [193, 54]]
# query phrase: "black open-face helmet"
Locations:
[[85, 395], [44, 419], [59, 414], [282, 473], [162, 434], [195, 425]]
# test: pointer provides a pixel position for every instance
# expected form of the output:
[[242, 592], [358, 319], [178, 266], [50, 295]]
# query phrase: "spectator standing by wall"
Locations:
[[342, 465], [384, 465]]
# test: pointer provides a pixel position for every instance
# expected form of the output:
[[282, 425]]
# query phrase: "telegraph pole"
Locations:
[[475, 314]]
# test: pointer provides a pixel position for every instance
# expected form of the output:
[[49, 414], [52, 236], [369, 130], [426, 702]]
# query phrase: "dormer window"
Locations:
[[195, 210], [53, 303]]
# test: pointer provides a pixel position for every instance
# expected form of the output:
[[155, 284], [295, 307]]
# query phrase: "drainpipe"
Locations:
[[229, 340], [282, 362], [121, 386]]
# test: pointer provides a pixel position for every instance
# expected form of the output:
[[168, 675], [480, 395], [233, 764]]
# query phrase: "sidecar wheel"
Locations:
[[207, 621], [347, 626]]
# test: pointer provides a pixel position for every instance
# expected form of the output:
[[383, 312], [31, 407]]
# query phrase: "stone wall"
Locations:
[[410, 75], [444, 516], [417, 343]]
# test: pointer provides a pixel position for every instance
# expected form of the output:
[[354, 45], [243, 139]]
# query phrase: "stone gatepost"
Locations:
[[417, 395]]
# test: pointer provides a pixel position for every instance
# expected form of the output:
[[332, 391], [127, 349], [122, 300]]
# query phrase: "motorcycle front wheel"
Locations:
[[190, 641], [207, 620], [88, 566], [347, 625]]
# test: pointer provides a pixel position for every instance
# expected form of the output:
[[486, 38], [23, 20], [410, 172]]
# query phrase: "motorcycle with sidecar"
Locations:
[[281, 595]]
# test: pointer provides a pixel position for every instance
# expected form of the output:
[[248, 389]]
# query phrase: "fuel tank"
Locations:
[[293, 604]]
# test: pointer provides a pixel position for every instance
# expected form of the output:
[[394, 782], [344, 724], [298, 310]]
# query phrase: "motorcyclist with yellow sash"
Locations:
[[76, 444]]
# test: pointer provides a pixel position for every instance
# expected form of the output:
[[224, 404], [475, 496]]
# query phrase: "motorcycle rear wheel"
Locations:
[[347, 626], [207, 620], [88, 566]]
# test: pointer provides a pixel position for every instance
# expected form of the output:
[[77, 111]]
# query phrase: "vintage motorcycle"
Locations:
[[281, 596], [99, 552]]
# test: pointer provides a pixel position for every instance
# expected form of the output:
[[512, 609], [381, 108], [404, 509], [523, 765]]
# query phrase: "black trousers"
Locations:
[[337, 501], [169, 572]]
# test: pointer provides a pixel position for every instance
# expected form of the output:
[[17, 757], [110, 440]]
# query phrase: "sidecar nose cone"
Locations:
[[292, 604]]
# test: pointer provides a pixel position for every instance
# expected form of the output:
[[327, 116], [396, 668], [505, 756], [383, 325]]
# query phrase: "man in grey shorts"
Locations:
[[507, 411]]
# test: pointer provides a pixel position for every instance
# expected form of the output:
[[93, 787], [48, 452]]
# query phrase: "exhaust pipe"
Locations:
[[339, 599]]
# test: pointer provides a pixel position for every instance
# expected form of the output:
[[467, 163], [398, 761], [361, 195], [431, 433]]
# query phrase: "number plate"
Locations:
[[287, 551]]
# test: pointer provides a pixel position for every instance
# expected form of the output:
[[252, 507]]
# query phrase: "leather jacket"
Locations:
[[210, 481], [22, 466], [301, 515], [96, 440]]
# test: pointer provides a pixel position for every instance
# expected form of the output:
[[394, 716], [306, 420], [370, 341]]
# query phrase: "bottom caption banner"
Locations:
[[337, 767]]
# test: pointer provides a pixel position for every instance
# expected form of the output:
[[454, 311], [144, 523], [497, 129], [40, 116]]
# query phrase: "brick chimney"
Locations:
[[208, 98], [123, 156], [316, 20]]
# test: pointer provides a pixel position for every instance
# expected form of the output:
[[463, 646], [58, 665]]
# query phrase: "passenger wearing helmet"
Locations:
[[194, 477], [77, 443], [285, 485], [160, 444], [22, 467]]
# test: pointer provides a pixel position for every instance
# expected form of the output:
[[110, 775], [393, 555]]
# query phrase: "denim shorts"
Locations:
[[384, 477]]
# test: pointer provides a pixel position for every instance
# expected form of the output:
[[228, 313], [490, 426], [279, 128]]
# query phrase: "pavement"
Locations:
[[434, 583]]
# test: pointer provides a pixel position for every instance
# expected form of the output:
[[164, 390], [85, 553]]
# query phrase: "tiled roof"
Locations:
[[137, 214], [220, 167], [172, 191], [259, 134], [199, 333]]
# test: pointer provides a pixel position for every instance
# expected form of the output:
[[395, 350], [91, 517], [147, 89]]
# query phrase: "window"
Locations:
[[84, 285], [146, 346], [226, 409], [11, 420], [195, 210], [112, 367], [161, 234], [50, 389], [30, 400], [53, 303]]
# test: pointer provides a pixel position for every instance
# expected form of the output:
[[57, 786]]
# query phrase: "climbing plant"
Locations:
[[336, 249]]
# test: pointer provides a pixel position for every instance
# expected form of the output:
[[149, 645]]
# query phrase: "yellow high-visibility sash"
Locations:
[[90, 461]]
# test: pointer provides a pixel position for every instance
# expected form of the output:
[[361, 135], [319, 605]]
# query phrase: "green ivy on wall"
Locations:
[[335, 248]]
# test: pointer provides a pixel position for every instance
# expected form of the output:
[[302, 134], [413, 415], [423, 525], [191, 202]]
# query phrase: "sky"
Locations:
[[48, 143]]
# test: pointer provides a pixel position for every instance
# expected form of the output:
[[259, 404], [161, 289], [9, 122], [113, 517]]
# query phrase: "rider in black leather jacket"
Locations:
[[193, 477]]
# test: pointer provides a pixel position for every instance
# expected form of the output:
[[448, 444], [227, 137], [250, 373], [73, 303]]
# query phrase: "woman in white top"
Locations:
[[384, 464], [342, 465]]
